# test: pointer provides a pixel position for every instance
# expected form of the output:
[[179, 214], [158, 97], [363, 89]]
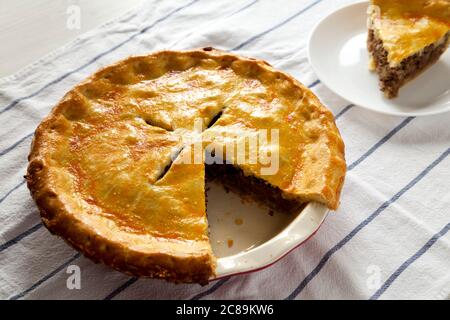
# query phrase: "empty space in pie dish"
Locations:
[[239, 226], [251, 226]]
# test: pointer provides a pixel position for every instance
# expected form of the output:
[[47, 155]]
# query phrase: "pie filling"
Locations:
[[252, 188]]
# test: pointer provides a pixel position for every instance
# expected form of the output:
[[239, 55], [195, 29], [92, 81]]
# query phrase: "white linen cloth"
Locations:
[[389, 238]]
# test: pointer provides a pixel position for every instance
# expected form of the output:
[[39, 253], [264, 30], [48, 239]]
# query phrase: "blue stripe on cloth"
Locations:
[[411, 260], [59, 79], [244, 8], [381, 142], [12, 190], [128, 283], [282, 23], [24, 234], [14, 145], [230, 15], [363, 224], [37, 284], [133, 280], [343, 111], [315, 83], [210, 290], [18, 238]]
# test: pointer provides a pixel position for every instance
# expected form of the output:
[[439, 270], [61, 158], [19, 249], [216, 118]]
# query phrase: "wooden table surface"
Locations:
[[29, 29]]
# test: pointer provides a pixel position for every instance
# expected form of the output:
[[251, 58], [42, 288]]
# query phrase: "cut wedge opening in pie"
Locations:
[[118, 167], [406, 37]]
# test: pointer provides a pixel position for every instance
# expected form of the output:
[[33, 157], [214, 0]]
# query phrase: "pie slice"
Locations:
[[118, 167], [405, 37]]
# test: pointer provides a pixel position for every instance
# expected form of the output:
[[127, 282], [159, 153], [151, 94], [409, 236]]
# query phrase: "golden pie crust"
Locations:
[[408, 26], [96, 161]]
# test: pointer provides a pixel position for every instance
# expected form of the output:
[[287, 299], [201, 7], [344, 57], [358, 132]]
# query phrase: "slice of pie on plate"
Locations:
[[108, 166], [406, 37]]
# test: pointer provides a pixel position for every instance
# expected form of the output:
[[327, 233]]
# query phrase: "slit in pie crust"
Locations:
[[106, 169]]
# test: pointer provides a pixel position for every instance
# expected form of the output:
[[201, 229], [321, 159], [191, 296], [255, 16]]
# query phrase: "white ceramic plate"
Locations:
[[246, 237], [337, 52]]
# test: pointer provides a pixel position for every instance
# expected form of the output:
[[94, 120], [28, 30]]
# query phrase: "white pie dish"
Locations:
[[337, 52], [261, 239]]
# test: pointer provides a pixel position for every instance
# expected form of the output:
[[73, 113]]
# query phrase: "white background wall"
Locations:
[[30, 29]]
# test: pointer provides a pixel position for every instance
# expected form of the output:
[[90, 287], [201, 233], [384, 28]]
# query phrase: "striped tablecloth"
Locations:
[[389, 238]]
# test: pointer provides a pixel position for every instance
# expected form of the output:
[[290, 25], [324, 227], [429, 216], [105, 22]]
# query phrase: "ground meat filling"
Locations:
[[391, 79], [235, 180]]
